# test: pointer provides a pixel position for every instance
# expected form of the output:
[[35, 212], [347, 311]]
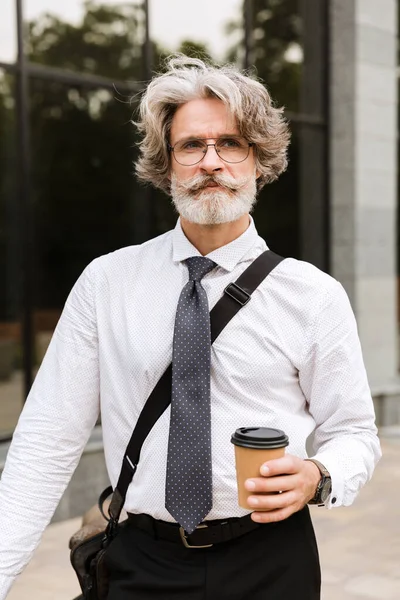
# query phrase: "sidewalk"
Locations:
[[359, 545]]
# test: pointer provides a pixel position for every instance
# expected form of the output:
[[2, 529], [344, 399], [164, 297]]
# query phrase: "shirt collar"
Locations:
[[227, 256]]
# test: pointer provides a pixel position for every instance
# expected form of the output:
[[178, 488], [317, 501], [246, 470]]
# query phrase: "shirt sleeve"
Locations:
[[334, 382], [53, 429]]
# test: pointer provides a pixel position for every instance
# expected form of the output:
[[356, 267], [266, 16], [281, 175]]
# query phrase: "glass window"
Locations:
[[398, 173], [11, 375], [313, 194], [275, 38], [214, 29], [276, 48], [8, 31], [289, 53], [100, 38], [276, 213], [83, 189]]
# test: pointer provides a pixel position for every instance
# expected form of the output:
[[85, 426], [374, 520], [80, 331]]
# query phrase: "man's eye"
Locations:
[[192, 145], [230, 143]]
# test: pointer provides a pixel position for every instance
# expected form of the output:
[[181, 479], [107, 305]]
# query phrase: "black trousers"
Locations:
[[276, 561]]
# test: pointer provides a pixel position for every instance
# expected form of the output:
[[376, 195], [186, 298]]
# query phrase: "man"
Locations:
[[290, 359]]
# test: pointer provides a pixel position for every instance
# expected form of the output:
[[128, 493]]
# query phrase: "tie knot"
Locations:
[[199, 266]]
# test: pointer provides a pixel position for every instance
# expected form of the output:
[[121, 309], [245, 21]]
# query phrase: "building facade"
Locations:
[[364, 182]]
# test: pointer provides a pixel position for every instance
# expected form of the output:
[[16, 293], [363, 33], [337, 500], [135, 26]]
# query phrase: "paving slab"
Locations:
[[359, 545]]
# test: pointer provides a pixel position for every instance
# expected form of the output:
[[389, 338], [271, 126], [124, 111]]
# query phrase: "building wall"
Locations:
[[363, 150]]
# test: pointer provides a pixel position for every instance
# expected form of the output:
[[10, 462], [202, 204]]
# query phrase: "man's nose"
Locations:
[[211, 161]]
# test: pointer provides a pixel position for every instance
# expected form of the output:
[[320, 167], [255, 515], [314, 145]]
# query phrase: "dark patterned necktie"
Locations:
[[188, 494]]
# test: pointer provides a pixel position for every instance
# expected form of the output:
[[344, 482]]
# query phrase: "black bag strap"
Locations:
[[236, 295]]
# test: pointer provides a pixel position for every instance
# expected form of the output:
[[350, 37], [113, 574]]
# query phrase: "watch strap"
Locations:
[[323, 470], [325, 475]]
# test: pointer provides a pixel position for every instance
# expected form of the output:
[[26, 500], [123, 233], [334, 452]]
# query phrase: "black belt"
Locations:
[[204, 536]]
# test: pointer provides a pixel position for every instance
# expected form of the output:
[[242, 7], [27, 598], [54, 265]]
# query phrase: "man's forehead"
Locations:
[[208, 117]]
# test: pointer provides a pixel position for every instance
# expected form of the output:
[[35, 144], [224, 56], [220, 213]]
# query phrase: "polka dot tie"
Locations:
[[188, 495]]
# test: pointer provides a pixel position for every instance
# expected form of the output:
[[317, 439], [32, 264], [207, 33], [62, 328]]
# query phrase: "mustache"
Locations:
[[201, 181]]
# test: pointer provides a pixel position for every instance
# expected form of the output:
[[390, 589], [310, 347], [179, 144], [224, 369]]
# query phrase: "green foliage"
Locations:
[[108, 42], [195, 50], [187, 47], [276, 35]]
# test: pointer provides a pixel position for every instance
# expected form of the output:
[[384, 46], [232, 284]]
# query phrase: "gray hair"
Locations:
[[259, 121]]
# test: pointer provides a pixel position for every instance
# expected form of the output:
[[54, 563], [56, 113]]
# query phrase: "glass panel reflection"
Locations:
[[11, 379], [277, 211], [218, 31], [175, 27], [83, 190], [8, 31], [101, 38], [276, 48]]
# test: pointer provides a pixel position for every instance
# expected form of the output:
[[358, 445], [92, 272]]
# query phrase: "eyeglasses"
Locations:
[[230, 149]]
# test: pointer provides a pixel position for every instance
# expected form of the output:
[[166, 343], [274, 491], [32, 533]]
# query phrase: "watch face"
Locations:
[[326, 490]]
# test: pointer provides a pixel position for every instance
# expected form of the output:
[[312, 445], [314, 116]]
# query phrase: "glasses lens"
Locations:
[[190, 152], [232, 149]]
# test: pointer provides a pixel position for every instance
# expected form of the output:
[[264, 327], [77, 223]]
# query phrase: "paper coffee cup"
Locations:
[[253, 447]]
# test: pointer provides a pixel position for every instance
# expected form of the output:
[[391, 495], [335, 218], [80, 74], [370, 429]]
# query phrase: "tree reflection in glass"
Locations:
[[11, 380], [8, 32]]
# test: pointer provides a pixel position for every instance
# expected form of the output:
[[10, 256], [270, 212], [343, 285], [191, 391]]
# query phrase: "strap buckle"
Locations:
[[131, 465], [185, 539], [237, 293]]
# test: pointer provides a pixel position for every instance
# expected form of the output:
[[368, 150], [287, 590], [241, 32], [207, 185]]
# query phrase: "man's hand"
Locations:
[[292, 481]]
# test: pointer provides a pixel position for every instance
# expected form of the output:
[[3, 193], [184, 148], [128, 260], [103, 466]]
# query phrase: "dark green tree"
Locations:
[[195, 50], [108, 41]]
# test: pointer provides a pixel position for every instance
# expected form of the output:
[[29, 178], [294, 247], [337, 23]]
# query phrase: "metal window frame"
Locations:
[[314, 207]]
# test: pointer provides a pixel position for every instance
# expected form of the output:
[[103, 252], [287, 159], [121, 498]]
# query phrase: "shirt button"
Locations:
[[333, 500]]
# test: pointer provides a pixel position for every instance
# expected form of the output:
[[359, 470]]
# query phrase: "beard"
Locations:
[[204, 205]]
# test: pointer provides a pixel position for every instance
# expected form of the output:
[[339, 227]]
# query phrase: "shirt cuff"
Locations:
[[335, 498], [5, 585]]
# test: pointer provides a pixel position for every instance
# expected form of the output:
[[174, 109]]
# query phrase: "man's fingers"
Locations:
[[273, 516], [280, 483], [272, 501], [279, 466]]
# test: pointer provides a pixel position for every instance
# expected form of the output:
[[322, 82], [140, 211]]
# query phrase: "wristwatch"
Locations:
[[324, 486]]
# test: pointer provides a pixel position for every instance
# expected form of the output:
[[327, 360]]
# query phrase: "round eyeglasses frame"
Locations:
[[235, 162]]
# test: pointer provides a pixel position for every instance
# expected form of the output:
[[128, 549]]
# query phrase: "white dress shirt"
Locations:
[[290, 359]]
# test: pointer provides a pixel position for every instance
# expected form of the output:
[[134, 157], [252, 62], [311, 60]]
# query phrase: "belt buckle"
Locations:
[[185, 540]]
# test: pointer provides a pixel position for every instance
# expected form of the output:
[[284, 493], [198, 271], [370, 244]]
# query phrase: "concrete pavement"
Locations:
[[359, 545]]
